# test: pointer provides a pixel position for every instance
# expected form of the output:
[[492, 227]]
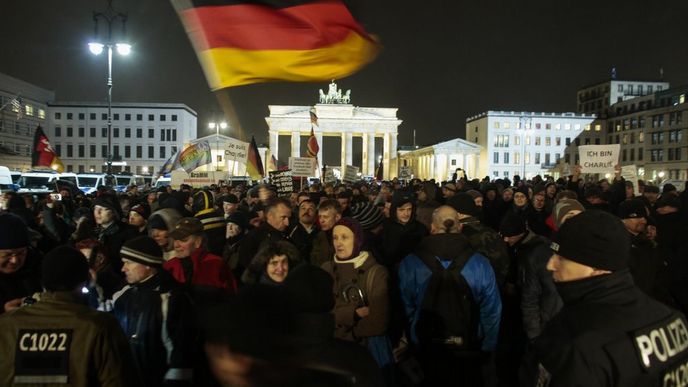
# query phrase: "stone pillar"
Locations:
[[274, 143], [394, 160], [295, 144], [319, 138], [364, 154], [370, 151], [433, 166], [347, 149], [386, 153]]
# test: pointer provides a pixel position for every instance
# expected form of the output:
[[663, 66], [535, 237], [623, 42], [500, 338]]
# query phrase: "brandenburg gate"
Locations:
[[338, 117]]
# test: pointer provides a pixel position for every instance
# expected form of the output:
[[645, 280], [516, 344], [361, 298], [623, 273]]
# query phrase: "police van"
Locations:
[[43, 181], [89, 182]]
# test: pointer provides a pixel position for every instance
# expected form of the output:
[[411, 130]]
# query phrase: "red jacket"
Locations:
[[208, 270]]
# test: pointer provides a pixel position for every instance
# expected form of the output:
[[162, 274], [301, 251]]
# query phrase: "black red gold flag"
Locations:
[[42, 154]]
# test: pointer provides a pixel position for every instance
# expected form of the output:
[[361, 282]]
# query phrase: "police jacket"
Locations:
[[609, 333], [60, 340], [414, 276], [158, 322]]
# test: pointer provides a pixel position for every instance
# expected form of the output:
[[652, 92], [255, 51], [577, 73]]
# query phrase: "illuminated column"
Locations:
[[386, 139], [295, 144], [347, 142], [319, 138], [371, 153], [274, 143]]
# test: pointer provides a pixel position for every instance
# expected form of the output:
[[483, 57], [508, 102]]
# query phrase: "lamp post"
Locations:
[[217, 126], [96, 47], [524, 129]]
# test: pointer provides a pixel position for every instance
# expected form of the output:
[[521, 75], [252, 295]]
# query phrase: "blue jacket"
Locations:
[[414, 277]]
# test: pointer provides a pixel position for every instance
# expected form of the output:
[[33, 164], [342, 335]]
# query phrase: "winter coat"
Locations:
[[490, 244], [609, 333], [22, 283], [302, 239], [253, 241], [400, 240], [157, 318], [414, 276], [211, 280], [322, 250]]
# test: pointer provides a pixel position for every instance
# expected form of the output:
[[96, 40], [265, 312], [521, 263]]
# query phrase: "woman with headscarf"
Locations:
[[361, 293]]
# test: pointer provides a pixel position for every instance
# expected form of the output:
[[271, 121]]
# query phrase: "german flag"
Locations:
[[244, 42], [254, 163], [43, 154]]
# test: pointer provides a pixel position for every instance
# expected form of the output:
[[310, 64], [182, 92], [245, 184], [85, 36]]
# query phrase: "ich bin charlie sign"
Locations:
[[599, 158]]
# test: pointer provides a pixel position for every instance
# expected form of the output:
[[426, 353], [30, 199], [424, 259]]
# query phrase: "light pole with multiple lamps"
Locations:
[[217, 126], [97, 47]]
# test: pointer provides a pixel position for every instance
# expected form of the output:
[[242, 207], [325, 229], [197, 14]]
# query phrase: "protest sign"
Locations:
[[405, 172], [629, 173], [302, 166], [236, 150], [329, 176], [282, 180], [599, 158], [351, 174]]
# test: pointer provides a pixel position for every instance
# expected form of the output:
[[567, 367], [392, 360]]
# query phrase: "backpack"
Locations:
[[448, 315]]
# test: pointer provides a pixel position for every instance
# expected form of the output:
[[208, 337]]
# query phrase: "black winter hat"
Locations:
[[367, 214], [229, 198], [238, 218], [633, 208], [13, 232], [401, 197], [64, 268], [594, 238], [668, 200], [143, 250], [157, 222], [142, 209], [464, 204], [593, 191], [668, 187], [512, 224], [110, 202], [202, 200]]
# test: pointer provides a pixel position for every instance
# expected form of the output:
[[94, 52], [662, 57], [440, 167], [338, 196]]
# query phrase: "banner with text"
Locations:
[[599, 158], [351, 174], [283, 181], [302, 166], [236, 150]]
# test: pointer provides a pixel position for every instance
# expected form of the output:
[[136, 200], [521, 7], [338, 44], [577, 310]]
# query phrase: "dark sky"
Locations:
[[442, 61]]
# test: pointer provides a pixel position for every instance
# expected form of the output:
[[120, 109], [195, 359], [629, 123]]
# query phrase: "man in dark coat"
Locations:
[[609, 333], [20, 265], [277, 215], [401, 233]]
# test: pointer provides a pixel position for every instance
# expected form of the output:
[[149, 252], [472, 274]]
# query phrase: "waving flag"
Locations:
[[240, 42], [254, 163], [313, 147], [170, 165], [195, 155], [42, 154], [272, 163]]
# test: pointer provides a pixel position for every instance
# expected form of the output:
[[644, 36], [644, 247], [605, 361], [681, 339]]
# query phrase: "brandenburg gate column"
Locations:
[[295, 144], [394, 168], [347, 149], [274, 143], [386, 155], [368, 153], [319, 138]]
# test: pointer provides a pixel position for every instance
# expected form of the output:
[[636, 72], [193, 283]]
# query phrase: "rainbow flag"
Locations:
[[195, 155], [240, 42]]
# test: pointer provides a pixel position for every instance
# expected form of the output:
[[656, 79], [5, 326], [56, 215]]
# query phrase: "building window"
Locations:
[[58, 131], [620, 88], [92, 132], [127, 117], [548, 126], [127, 132], [41, 114], [82, 116], [116, 116], [92, 116], [127, 151], [641, 137], [174, 137], [82, 132], [58, 115], [577, 127], [174, 117], [104, 151], [568, 141], [92, 151], [506, 157], [103, 132], [70, 150], [537, 158], [640, 154], [537, 140], [162, 152], [632, 154], [538, 126], [151, 133], [115, 132], [548, 141], [151, 117], [58, 149], [527, 140], [506, 125], [115, 151], [496, 125], [150, 152], [174, 150], [139, 117], [624, 139], [557, 141], [526, 157], [517, 157], [81, 150], [557, 126], [162, 134], [598, 127], [495, 158], [630, 89], [623, 155], [163, 117], [139, 133], [69, 116], [103, 116], [139, 151]]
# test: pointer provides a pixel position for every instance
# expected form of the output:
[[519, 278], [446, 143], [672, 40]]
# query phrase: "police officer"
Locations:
[[609, 333], [59, 340]]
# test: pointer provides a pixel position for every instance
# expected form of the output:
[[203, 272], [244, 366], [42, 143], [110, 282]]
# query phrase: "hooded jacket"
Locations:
[[399, 240]]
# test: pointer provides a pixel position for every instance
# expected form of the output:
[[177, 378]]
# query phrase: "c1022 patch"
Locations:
[[42, 356]]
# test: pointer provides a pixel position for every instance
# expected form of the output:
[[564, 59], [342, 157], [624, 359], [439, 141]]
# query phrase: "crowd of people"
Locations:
[[398, 283]]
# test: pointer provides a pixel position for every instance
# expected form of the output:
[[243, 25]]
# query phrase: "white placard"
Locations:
[[236, 150], [351, 174], [405, 172], [599, 158], [630, 173], [302, 166]]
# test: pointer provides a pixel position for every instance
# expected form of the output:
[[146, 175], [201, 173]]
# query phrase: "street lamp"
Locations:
[[217, 126], [96, 47]]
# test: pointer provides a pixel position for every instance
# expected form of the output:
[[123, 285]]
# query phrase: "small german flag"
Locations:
[[254, 163], [244, 42], [43, 154]]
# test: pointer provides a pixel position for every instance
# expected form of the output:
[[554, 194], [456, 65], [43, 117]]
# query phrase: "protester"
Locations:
[[272, 264]]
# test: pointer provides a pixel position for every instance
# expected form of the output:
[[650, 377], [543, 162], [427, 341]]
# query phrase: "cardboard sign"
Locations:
[[196, 179], [236, 150], [405, 172], [329, 175], [629, 173], [302, 166], [283, 181], [599, 158], [351, 174]]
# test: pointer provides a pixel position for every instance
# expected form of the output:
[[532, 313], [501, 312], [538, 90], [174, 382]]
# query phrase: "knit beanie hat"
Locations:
[[512, 224], [13, 232], [594, 238], [143, 250], [563, 207], [359, 238], [464, 204], [630, 209], [229, 198], [157, 222], [64, 268], [668, 187], [142, 209], [367, 214], [110, 202], [238, 218]]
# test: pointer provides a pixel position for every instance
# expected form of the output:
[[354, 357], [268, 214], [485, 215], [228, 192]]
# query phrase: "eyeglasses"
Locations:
[[5, 255]]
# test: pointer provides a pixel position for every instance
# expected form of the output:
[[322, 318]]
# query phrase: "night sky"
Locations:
[[442, 61]]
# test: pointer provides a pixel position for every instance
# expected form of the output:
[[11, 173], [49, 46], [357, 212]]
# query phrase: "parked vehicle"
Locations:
[[89, 182], [6, 183], [38, 182]]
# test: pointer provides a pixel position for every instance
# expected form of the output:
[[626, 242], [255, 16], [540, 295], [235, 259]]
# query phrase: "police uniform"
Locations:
[[61, 341], [609, 333]]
